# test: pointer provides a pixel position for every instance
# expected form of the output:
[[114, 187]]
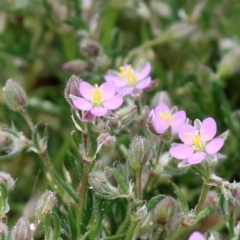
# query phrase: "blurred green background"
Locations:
[[194, 48]]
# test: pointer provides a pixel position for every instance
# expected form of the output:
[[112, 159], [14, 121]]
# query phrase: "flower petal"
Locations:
[[196, 236], [185, 132], [144, 83], [197, 157], [81, 103], [162, 107], [160, 125], [99, 111], [125, 90], [86, 90], [208, 129], [113, 103], [179, 118], [119, 82], [214, 146], [145, 72], [181, 151], [108, 90]]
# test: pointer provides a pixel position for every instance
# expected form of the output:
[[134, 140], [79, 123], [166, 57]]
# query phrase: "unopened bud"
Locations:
[[21, 230], [96, 181], [89, 47], [165, 210], [45, 204], [107, 140], [3, 231], [142, 212], [72, 88], [78, 66], [231, 191], [6, 179], [15, 96], [127, 115], [212, 199], [140, 152], [230, 63], [109, 176]]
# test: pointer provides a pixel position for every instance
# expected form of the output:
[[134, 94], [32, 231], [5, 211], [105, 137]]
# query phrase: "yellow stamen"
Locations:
[[129, 75], [97, 96], [167, 116]]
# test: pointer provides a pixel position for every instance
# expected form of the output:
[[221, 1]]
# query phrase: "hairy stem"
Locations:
[[139, 184], [159, 153]]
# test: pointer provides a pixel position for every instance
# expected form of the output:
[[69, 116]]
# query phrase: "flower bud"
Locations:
[[142, 212], [165, 210], [96, 181], [212, 200], [107, 140], [231, 192], [78, 66], [6, 179], [72, 88], [45, 204], [3, 231], [109, 176], [21, 230], [127, 115], [140, 152], [89, 47], [15, 96]]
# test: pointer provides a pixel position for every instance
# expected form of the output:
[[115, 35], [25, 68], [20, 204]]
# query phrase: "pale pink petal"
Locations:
[[125, 90], [197, 157], [181, 151], [108, 90], [144, 83], [145, 72], [86, 90], [136, 92], [208, 129], [196, 236], [99, 111], [160, 125], [88, 117], [214, 146], [179, 118], [162, 107], [113, 103], [185, 133], [119, 82], [82, 104]]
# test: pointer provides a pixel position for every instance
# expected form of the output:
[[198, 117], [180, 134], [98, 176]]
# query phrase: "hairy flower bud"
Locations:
[[108, 142], [109, 176], [6, 179], [140, 152], [89, 47], [72, 88], [45, 204], [165, 210], [78, 66], [127, 115], [15, 96], [21, 230]]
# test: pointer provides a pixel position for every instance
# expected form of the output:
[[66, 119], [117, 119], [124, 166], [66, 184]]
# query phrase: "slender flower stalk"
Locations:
[[159, 152]]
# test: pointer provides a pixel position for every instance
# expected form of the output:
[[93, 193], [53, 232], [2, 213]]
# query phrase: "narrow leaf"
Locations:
[[35, 137], [181, 198], [223, 206], [77, 168], [154, 200]]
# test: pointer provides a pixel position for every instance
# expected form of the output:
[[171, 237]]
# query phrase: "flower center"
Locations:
[[129, 75], [97, 96], [197, 142], [167, 116]]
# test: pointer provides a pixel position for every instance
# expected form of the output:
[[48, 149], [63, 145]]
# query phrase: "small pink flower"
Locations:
[[97, 100], [198, 142], [162, 118], [196, 236], [129, 80]]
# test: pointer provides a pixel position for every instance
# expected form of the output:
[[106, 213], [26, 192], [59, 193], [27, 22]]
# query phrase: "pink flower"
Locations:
[[129, 80], [196, 236], [198, 141], [162, 118], [97, 100]]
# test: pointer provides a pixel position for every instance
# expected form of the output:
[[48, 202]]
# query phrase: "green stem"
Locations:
[[131, 229], [159, 153], [205, 190], [27, 119], [124, 225], [82, 194], [139, 184]]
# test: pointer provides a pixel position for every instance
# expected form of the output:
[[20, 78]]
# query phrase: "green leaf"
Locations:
[[57, 227], [93, 141], [88, 209], [65, 185], [181, 198], [76, 137], [77, 23], [35, 137], [154, 200], [72, 221], [136, 204], [77, 168], [230, 225], [199, 169], [120, 180], [204, 213], [223, 206]]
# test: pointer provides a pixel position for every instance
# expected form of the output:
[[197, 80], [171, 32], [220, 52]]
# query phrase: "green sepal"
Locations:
[[47, 228], [121, 180], [57, 226], [4, 207], [154, 201], [136, 204], [76, 136], [77, 168], [35, 137], [93, 141], [181, 198], [199, 169], [224, 206]]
